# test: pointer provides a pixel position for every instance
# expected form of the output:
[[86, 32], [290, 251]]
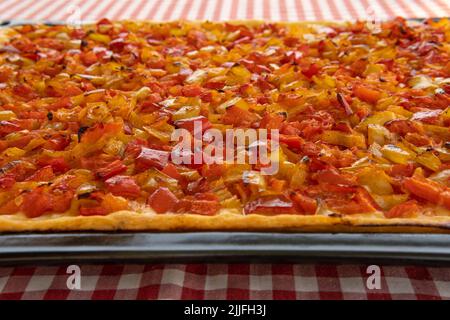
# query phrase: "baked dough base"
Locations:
[[133, 221]]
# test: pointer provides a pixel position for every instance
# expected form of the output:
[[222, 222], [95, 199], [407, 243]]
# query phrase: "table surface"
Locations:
[[223, 281]]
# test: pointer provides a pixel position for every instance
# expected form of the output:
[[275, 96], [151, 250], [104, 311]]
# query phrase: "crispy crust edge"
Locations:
[[171, 222], [226, 221]]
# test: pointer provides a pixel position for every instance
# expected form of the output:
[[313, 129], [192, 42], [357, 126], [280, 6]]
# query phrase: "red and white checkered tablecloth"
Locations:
[[291, 10], [223, 281]]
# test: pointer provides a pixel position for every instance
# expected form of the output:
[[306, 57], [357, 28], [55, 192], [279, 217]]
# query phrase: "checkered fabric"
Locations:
[[222, 281], [290, 10]]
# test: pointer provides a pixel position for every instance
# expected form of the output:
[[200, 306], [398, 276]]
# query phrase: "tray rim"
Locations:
[[223, 247]]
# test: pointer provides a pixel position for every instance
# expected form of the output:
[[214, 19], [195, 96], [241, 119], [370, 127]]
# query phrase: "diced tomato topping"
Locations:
[[61, 103], [423, 188], [360, 202], [149, 158], [70, 91], [7, 181], [403, 210], [104, 21], [403, 127], [124, 186], [5, 74], [366, 201], [277, 185], [117, 44], [24, 91], [95, 133], [41, 115], [112, 169], [7, 127], [61, 200], [290, 129], [271, 121], [306, 204], [93, 211], [3, 145], [10, 207], [20, 142], [215, 84], [311, 71], [88, 58], [336, 188], [172, 171], [190, 124], [57, 142], [44, 174], [59, 165], [292, 141], [134, 147], [201, 203], [290, 99], [343, 127], [419, 140], [402, 170], [213, 171], [39, 201], [239, 117], [162, 200], [333, 176], [205, 207], [428, 190], [192, 91], [36, 203], [366, 94]]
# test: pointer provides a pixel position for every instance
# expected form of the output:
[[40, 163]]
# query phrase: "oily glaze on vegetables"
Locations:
[[87, 114]]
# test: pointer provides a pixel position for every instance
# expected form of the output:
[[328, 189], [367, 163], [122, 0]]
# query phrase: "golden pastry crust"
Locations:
[[224, 221], [133, 221]]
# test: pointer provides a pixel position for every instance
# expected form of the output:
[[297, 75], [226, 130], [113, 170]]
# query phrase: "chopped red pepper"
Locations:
[[7, 181], [149, 158], [403, 210], [59, 164], [366, 94], [333, 176], [124, 186], [239, 117], [162, 200], [93, 211], [190, 124], [112, 169], [44, 174], [312, 70], [306, 204]]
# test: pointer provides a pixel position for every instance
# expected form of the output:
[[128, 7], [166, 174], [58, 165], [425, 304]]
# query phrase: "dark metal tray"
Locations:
[[223, 247]]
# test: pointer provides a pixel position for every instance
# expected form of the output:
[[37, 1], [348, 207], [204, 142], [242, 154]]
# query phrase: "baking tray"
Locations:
[[33, 248], [223, 247]]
